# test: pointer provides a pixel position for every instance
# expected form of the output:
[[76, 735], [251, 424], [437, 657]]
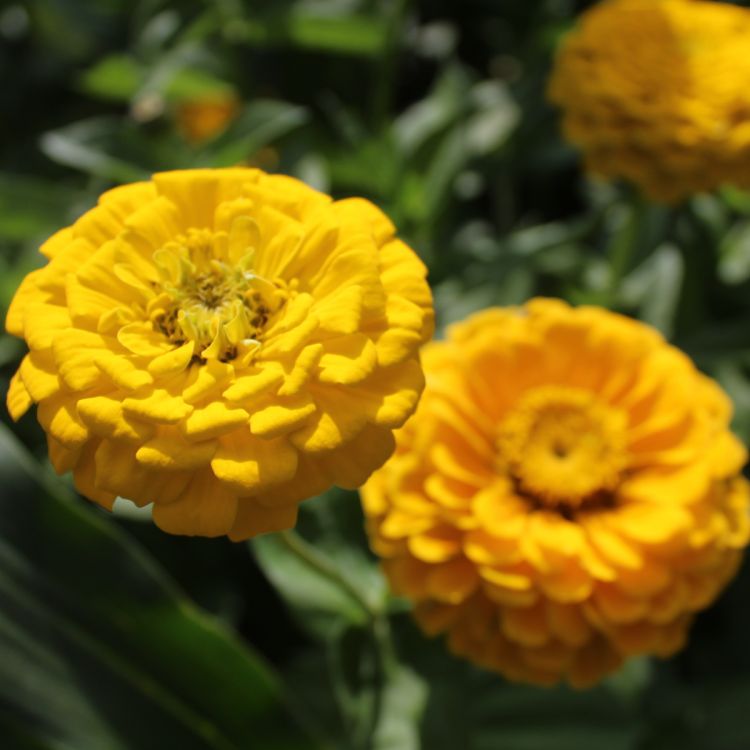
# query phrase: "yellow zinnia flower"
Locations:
[[568, 493], [222, 343], [656, 92]]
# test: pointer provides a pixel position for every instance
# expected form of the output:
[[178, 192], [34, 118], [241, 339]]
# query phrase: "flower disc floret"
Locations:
[[655, 92], [222, 344], [567, 495]]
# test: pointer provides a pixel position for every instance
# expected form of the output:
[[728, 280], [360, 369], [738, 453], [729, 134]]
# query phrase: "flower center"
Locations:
[[563, 447], [221, 306]]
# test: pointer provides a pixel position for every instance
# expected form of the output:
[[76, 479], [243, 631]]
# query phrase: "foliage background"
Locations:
[[114, 635]]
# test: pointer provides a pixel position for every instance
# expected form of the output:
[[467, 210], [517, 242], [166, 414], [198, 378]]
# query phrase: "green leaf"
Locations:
[[311, 582], [734, 254], [358, 35], [403, 701], [83, 145], [97, 647], [117, 77], [432, 114], [655, 287], [523, 718]]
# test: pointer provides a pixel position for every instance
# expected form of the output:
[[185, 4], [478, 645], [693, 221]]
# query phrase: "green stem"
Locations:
[[386, 64], [377, 624], [623, 247], [310, 556]]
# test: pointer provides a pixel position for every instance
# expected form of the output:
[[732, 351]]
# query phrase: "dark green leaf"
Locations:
[[97, 647]]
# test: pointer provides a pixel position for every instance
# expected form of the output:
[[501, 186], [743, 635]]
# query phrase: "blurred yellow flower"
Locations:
[[656, 92], [222, 343], [206, 117], [567, 495]]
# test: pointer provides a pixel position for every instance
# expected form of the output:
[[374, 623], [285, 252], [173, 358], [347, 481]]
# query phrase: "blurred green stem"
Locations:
[[379, 627], [385, 70], [309, 555], [623, 246]]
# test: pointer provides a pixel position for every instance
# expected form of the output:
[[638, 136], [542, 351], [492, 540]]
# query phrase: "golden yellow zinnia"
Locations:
[[656, 92], [567, 494], [222, 343]]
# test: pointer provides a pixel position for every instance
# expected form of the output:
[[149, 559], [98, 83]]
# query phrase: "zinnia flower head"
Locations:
[[222, 343], [655, 91], [567, 494]]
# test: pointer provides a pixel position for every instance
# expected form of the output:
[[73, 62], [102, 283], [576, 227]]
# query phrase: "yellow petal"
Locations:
[[508, 579], [205, 508], [334, 424], [172, 362], [341, 312], [616, 606], [57, 242], [395, 345], [122, 372], [501, 513], [206, 380], [290, 341], [527, 626], [86, 305], [485, 549], [118, 471], [18, 399], [28, 293], [197, 192], [408, 576], [252, 520], [437, 545], [170, 452], [39, 375], [568, 624], [351, 466], [395, 393], [398, 525], [361, 212], [252, 465], [212, 420], [247, 387], [58, 416], [347, 359], [159, 406], [84, 478], [453, 581], [104, 416], [403, 273], [41, 323], [63, 459], [142, 339], [569, 582], [107, 219], [75, 351], [646, 581], [304, 365], [555, 534], [281, 416], [603, 537], [651, 523], [292, 314]]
